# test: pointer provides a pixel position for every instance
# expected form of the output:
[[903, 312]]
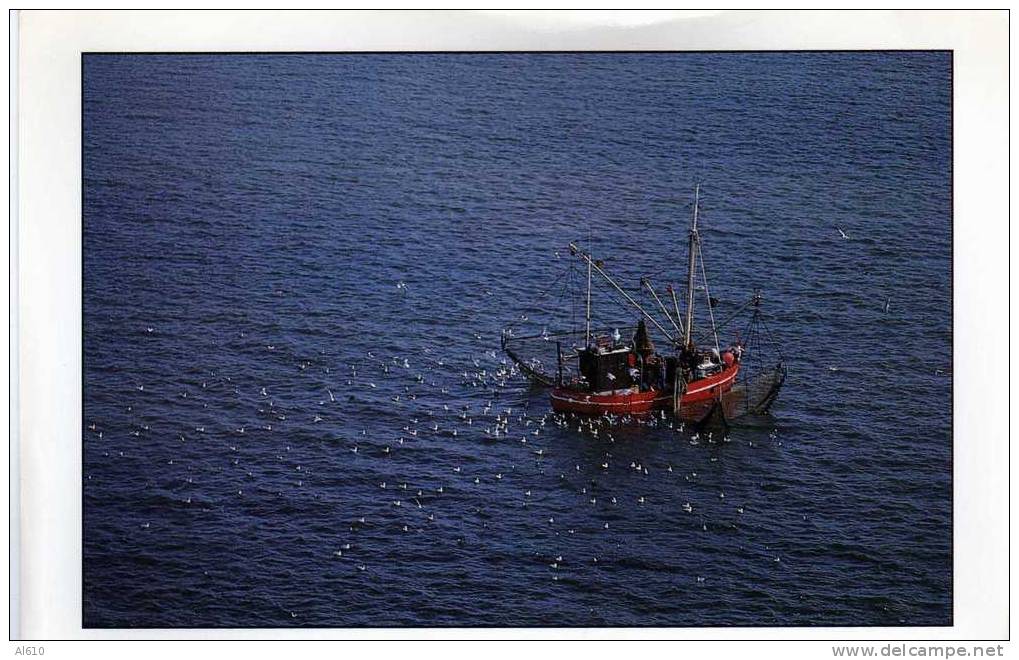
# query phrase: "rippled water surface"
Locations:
[[296, 272]]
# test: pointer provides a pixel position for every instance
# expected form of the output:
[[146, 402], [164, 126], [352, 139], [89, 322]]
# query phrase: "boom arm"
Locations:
[[590, 262]]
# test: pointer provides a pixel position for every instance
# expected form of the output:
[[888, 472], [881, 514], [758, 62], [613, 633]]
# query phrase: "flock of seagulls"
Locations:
[[382, 425]]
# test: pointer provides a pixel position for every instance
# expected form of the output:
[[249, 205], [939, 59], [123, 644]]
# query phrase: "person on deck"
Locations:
[[642, 341], [688, 359]]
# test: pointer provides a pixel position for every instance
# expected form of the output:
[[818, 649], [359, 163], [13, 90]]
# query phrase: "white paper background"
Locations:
[[46, 289]]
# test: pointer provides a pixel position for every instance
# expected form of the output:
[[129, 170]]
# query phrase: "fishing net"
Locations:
[[762, 373]]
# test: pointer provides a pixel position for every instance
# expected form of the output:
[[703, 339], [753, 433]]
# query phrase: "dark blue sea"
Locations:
[[297, 269]]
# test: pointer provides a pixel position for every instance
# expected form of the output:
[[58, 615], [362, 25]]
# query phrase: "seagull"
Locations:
[[888, 303], [842, 233]]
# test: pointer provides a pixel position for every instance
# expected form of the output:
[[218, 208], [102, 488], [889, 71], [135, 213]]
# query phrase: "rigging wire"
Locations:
[[721, 326], [711, 312], [563, 278]]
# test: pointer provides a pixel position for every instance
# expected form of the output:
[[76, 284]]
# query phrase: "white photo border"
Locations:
[[46, 301]]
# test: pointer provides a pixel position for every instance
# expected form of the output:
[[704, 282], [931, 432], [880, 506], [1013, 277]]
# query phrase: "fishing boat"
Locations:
[[606, 372]]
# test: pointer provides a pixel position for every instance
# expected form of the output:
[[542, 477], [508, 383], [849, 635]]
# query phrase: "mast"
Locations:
[[691, 269], [590, 264]]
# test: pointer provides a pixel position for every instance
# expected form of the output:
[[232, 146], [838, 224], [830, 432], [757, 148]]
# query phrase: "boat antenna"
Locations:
[[591, 265], [690, 269], [587, 334]]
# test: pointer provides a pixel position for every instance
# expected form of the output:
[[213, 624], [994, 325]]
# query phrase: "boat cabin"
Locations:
[[606, 370]]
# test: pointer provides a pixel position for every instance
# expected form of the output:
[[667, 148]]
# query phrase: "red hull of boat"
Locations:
[[565, 399]]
